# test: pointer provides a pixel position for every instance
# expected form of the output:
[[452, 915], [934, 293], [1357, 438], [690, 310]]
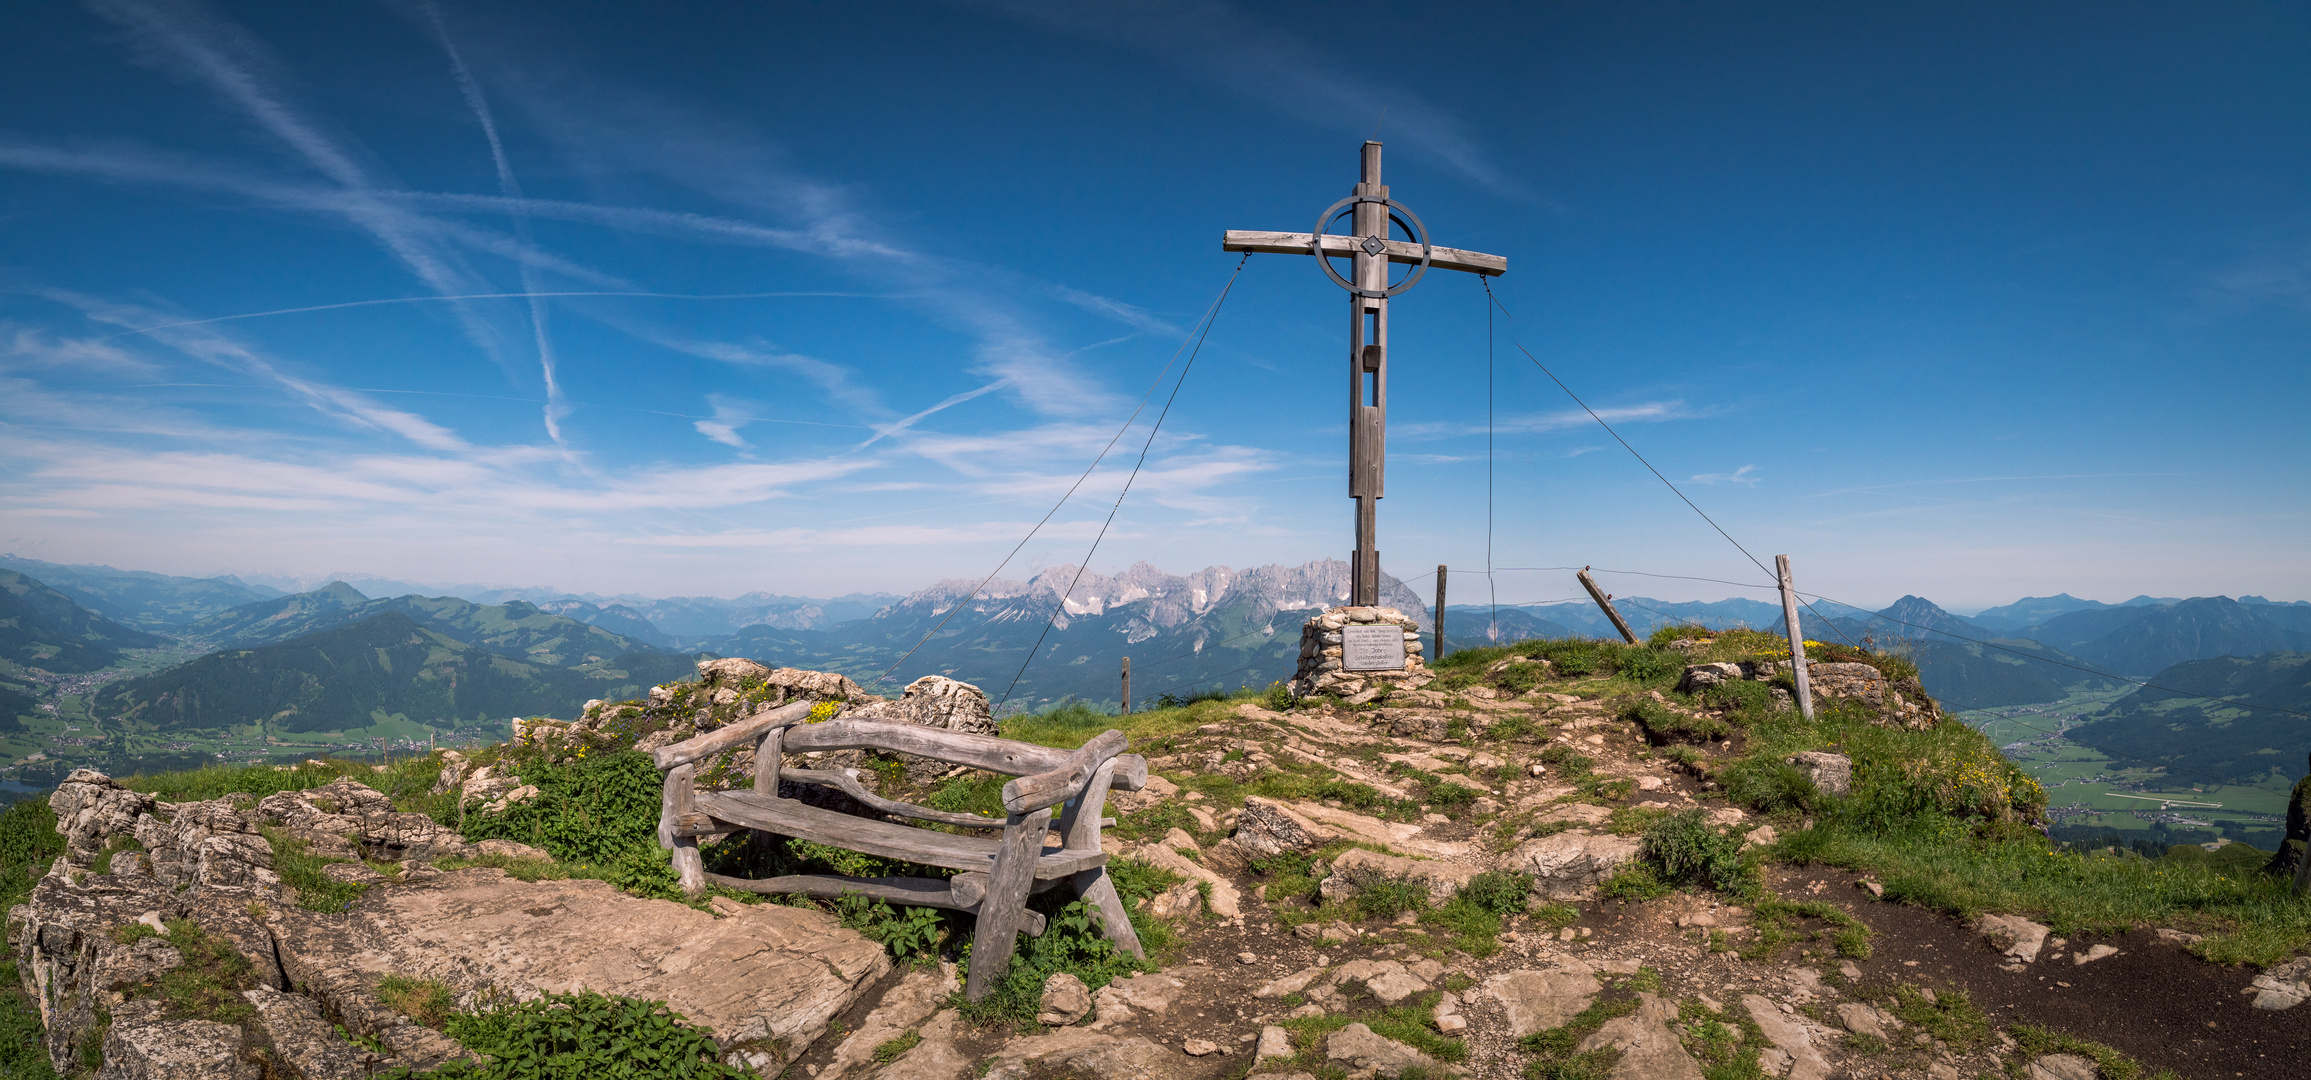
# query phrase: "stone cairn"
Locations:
[[1321, 670]]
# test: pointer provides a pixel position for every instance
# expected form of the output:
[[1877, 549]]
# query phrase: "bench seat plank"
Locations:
[[787, 817]]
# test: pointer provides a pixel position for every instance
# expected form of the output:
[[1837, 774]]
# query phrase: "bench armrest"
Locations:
[[724, 738], [1042, 791]]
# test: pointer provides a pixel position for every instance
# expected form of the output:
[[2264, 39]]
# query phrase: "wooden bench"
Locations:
[[997, 872]]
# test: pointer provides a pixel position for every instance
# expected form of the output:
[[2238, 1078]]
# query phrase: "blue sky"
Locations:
[[1968, 302]]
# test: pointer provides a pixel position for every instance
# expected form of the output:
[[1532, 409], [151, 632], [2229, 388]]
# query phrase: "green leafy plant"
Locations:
[[582, 1034], [909, 932], [1686, 850]]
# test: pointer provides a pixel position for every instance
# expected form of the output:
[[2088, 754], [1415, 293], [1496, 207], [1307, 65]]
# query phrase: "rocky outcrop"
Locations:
[[2283, 986], [1571, 864], [1358, 1049], [1356, 868], [1832, 774], [933, 701], [1537, 1000], [1649, 1050], [766, 979]]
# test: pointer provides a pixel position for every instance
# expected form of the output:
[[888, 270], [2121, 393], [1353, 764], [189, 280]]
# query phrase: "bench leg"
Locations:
[[1098, 893], [1003, 911]]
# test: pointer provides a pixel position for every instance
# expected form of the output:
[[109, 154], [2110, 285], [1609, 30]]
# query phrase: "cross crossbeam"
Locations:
[[1370, 250]]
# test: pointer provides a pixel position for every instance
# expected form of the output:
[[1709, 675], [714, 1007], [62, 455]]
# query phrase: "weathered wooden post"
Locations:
[[1127, 686], [1439, 618], [1796, 635], [1369, 252], [1606, 602]]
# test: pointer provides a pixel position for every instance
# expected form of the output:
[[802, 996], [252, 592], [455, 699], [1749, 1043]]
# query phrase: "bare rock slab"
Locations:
[[1536, 1001], [1357, 1048], [2063, 1067], [306, 1042], [771, 976], [1649, 1051], [918, 995], [1790, 1037], [142, 1046], [1571, 864], [2284, 986], [1086, 1053], [935, 1058], [2021, 938], [1442, 879]]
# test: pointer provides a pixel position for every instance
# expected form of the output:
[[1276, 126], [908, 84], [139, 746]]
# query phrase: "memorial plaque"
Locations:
[[1372, 648]]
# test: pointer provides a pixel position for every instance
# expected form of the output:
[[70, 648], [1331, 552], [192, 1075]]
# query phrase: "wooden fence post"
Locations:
[[1439, 619], [1127, 686], [1796, 635], [1606, 602]]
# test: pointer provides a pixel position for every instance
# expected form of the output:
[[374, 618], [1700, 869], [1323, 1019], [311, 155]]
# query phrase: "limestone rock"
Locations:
[[1539, 1000], [2283, 986], [2093, 954], [935, 1058], [1289, 984], [1356, 1047], [62, 935], [1570, 865], [1123, 999], [771, 977], [1357, 866], [938, 702], [1087, 1053], [2019, 937], [1199, 1048], [794, 684], [918, 994], [1065, 1000], [1275, 1042], [2064, 1067], [1867, 1020], [1268, 828], [1701, 677], [729, 671], [1181, 901], [1388, 980], [1789, 1037], [305, 1041], [1832, 773], [91, 809], [1649, 1051], [1227, 902], [142, 1046]]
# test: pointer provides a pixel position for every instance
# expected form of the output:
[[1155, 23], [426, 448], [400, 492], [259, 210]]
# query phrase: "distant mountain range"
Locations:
[[41, 627], [385, 666], [2228, 738], [139, 598], [1217, 627]]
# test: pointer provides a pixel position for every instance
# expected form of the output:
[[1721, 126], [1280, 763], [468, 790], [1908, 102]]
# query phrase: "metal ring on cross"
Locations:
[[1373, 245]]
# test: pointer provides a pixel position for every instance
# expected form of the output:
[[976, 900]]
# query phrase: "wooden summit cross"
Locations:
[[1370, 250]]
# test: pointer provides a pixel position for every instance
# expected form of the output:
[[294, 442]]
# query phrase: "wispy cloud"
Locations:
[[1273, 65], [730, 414], [1737, 476], [1538, 423]]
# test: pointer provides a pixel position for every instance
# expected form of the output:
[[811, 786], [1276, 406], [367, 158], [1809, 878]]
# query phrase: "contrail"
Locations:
[[511, 189], [486, 296]]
